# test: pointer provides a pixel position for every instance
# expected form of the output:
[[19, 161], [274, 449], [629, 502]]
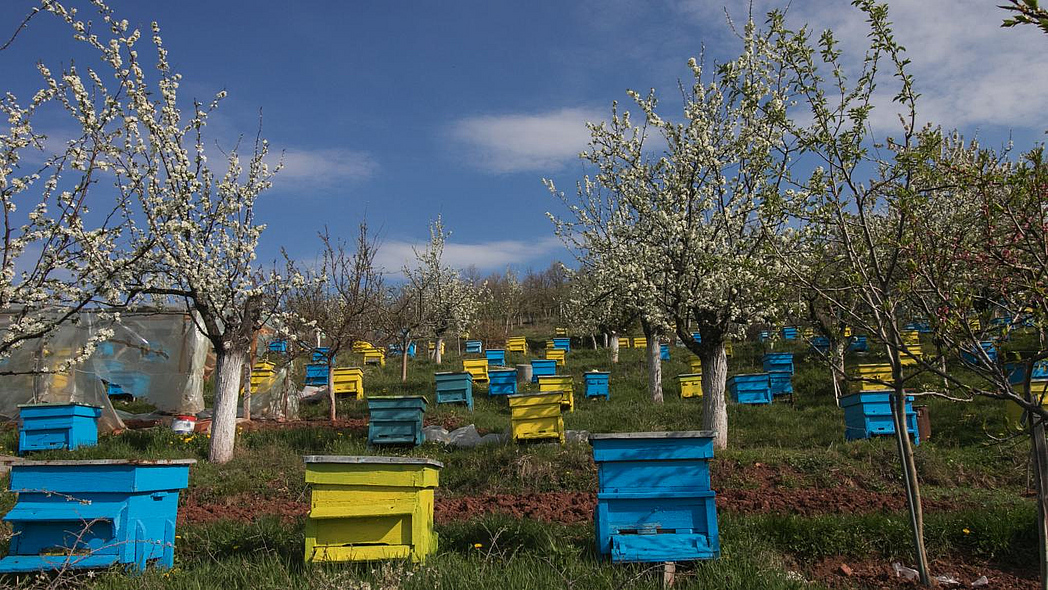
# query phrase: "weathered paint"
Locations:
[[561, 383], [557, 354], [317, 374], [370, 508], [778, 361], [261, 374], [320, 354], [694, 364], [536, 416], [375, 356], [278, 346], [57, 426], [496, 357], [789, 333], [474, 347], [780, 383], [871, 377], [396, 420], [597, 384], [349, 381], [869, 413], [560, 331], [476, 367], [360, 346], [664, 352], [857, 344], [542, 367], [454, 388], [690, 384], [654, 501], [517, 344], [95, 513], [502, 381], [753, 388]]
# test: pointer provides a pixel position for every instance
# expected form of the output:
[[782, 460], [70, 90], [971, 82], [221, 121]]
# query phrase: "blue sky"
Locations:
[[407, 110]]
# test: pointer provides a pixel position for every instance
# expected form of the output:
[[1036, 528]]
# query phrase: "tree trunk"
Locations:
[[837, 370], [331, 393], [909, 470], [228, 365], [593, 337], [614, 347], [437, 357], [404, 359], [246, 380], [654, 363], [1039, 448], [714, 403], [605, 339]]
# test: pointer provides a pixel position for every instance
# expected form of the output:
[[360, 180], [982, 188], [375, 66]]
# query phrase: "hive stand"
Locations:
[[654, 502], [370, 508], [93, 514]]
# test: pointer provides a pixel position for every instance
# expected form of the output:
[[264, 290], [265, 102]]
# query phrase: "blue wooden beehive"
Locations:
[[789, 333], [542, 368], [753, 388], [394, 350], [496, 357], [972, 358], [57, 426], [664, 352], [93, 514], [780, 383], [869, 413], [455, 388], [858, 344], [597, 384], [279, 346], [502, 381], [778, 361], [920, 326], [654, 501], [821, 344], [696, 336], [474, 347], [395, 420], [1017, 372], [317, 374], [562, 343], [764, 335], [320, 354]]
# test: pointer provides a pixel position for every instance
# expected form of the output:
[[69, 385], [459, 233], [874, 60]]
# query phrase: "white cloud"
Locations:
[[324, 167], [525, 142], [969, 71], [393, 255]]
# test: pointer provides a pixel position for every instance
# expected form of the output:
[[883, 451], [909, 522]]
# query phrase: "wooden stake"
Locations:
[[669, 573]]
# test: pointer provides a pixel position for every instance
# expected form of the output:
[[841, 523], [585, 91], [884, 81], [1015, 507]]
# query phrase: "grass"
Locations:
[[802, 442]]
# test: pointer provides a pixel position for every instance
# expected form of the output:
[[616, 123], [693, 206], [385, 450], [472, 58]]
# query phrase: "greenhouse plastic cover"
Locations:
[[154, 356]]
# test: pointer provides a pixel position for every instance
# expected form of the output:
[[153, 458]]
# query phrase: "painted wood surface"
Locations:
[[370, 508], [536, 416], [89, 514], [654, 501], [396, 420], [562, 343], [349, 381], [690, 384], [502, 381], [474, 347], [496, 357], [560, 383], [454, 388], [557, 354], [869, 413], [43, 427], [598, 384], [752, 388], [478, 368], [778, 361], [517, 344], [542, 367]]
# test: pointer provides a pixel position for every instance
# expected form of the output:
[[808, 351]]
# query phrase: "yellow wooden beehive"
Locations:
[[375, 356], [561, 383], [362, 345], [536, 416], [695, 364], [370, 508], [433, 346], [560, 331], [808, 333], [348, 380], [640, 342], [478, 368], [556, 354], [624, 341], [517, 344], [690, 384], [847, 331], [262, 374], [912, 340], [867, 372], [729, 350], [1014, 412]]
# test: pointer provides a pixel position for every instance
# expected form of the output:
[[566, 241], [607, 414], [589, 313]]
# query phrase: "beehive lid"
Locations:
[[365, 460], [86, 462], [454, 372], [596, 372], [637, 435], [421, 397], [692, 375], [57, 405]]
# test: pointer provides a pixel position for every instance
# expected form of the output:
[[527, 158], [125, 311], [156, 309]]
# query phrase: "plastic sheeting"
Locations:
[[155, 356]]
